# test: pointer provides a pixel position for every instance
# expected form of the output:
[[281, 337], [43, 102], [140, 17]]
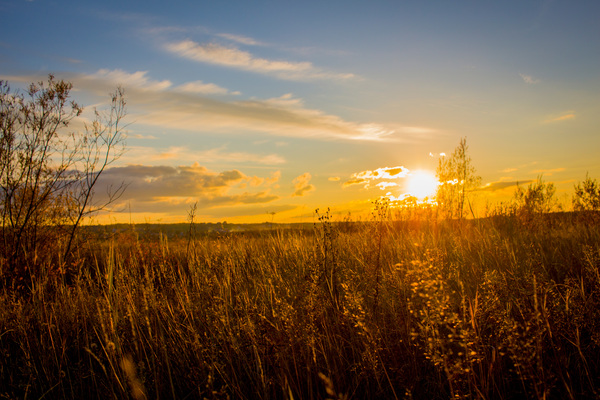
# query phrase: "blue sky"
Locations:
[[271, 106]]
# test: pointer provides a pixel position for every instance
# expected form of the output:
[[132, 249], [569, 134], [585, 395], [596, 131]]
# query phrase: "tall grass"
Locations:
[[494, 308]]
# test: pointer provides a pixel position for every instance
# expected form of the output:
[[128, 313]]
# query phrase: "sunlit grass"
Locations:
[[391, 308]]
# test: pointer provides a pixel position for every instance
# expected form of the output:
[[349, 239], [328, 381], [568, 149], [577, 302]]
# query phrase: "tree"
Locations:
[[537, 198], [47, 174], [587, 195], [457, 178]]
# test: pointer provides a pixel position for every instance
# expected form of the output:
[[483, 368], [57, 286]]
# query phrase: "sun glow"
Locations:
[[422, 184]]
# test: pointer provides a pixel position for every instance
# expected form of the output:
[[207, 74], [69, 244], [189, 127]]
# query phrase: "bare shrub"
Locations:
[[48, 174]]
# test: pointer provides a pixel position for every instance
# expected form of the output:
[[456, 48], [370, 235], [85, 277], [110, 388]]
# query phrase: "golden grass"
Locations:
[[490, 308]]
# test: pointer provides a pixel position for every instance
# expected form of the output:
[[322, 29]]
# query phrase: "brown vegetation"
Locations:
[[490, 308]]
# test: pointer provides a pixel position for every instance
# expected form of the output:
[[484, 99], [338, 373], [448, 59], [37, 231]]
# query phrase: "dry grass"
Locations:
[[485, 309]]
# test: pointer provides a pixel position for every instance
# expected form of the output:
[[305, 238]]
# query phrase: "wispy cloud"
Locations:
[[530, 80], [204, 88], [141, 136], [158, 103], [141, 81], [138, 79], [548, 172], [560, 118], [302, 185], [232, 57], [387, 173], [495, 186], [240, 39], [185, 154]]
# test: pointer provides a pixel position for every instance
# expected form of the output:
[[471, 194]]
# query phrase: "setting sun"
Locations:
[[422, 184]]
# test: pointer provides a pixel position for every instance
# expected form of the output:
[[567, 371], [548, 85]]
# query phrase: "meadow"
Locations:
[[397, 307]]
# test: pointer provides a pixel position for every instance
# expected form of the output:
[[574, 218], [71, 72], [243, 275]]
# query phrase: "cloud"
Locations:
[[214, 53], [387, 173], [333, 178], [548, 172], [530, 80], [282, 116], [302, 185], [384, 185], [232, 57], [564, 117], [494, 186], [204, 88], [508, 170], [184, 154], [275, 176], [141, 136], [137, 79], [179, 185], [240, 39], [217, 155], [157, 103]]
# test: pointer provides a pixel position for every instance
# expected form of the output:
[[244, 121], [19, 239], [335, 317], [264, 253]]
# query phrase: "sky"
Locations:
[[267, 110]]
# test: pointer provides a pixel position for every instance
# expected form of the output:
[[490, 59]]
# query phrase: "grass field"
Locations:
[[495, 308]]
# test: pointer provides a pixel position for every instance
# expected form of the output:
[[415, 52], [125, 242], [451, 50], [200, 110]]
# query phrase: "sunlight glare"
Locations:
[[422, 184]]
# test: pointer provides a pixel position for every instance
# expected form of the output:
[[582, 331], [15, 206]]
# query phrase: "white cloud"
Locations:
[[158, 103], [240, 39], [233, 57], [137, 79], [386, 173], [141, 136], [204, 88], [384, 185], [230, 56], [529, 79]]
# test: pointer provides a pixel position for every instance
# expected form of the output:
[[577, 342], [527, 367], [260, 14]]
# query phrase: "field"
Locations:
[[494, 308]]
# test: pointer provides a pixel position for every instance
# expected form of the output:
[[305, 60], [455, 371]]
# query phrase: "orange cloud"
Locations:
[[560, 118], [183, 154], [301, 184], [494, 186], [388, 173], [548, 171]]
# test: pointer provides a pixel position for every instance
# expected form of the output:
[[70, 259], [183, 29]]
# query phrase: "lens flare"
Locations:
[[422, 184]]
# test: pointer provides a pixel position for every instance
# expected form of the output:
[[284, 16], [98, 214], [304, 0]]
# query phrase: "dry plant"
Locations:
[[488, 309]]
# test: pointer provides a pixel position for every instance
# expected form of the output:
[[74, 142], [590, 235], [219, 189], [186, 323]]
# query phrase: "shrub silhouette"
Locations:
[[48, 174]]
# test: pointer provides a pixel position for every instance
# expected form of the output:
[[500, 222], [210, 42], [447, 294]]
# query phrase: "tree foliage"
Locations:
[[47, 173], [587, 195], [538, 198], [457, 178]]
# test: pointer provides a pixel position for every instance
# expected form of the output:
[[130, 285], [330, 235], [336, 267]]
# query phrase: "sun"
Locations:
[[422, 184]]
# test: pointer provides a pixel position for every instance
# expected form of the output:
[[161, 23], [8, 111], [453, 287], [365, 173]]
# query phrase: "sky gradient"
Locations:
[[255, 108]]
